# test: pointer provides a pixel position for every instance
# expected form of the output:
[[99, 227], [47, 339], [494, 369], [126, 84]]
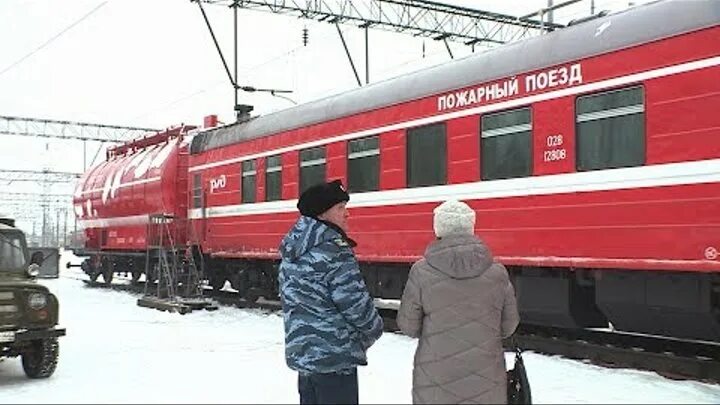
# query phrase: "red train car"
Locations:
[[114, 200], [590, 154]]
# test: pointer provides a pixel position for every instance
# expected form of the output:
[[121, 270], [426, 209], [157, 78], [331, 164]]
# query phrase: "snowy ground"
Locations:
[[116, 352]]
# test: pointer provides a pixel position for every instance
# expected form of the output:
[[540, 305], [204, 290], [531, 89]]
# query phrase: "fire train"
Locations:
[[590, 154]]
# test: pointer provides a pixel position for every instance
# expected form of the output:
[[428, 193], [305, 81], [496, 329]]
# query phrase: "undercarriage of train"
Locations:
[[673, 304]]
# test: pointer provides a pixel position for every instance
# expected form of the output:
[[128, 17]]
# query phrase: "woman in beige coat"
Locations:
[[460, 304]]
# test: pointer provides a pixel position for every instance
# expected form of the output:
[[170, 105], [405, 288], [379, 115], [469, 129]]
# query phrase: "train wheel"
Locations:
[[107, 275], [151, 276], [135, 277], [217, 282], [89, 269], [239, 282], [252, 295]]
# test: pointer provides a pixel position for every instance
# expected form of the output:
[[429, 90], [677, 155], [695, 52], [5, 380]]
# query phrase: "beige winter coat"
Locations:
[[460, 304]]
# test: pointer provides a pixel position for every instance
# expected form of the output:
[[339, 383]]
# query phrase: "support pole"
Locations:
[[212, 34], [367, 56], [347, 51], [448, 48], [235, 14], [44, 227], [550, 12], [57, 228], [96, 154], [65, 212]]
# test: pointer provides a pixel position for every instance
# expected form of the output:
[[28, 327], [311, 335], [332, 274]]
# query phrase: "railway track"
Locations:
[[228, 298], [672, 358]]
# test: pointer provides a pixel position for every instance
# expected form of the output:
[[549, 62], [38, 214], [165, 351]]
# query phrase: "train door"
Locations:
[[199, 224]]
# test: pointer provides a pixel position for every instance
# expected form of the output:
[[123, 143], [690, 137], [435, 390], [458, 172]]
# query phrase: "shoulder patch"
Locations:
[[341, 242]]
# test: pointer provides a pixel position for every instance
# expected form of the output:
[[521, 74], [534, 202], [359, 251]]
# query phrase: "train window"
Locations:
[[197, 191], [273, 179], [364, 165], [312, 167], [506, 144], [426, 156], [611, 129], [248, 181]]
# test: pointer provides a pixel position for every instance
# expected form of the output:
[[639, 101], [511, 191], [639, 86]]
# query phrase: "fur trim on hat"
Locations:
[[453, 218]]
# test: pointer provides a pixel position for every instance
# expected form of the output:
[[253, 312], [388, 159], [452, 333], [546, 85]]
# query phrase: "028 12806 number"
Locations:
[[554, 140], [554, 155]]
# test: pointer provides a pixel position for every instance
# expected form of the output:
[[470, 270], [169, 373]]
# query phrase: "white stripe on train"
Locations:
[[670, 174], [124, 185], [585, 88], [661, 175], [130, 220]]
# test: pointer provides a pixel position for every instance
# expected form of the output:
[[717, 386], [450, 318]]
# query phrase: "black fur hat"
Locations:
[[321, 197]]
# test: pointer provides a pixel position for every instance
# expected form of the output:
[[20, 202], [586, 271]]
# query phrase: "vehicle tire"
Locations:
[[40, 358]]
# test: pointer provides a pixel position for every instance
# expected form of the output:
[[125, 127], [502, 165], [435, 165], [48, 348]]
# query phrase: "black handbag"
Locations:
[[518, 385]]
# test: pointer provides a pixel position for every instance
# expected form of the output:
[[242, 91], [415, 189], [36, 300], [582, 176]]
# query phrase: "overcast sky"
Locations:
[[152, 63]]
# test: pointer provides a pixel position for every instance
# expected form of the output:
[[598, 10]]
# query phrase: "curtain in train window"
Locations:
[[364, 165], [426, 156], [312, 167], [197, 191], [611, 129], [506, 145], [248, 181], [273, 179]]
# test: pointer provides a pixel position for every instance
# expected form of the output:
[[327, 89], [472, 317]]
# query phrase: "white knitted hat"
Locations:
[[453, 218]]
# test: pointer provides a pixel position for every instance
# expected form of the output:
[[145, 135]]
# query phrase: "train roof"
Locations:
[[634, 26]]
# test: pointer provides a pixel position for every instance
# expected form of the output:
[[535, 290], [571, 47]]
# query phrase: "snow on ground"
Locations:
[[117, 352]]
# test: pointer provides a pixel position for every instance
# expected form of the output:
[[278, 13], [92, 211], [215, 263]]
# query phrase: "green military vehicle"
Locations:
[[28, 311]]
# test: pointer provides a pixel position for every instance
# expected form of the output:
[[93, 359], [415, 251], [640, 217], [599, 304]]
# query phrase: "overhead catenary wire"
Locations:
[[218, 83], [56, 36]]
